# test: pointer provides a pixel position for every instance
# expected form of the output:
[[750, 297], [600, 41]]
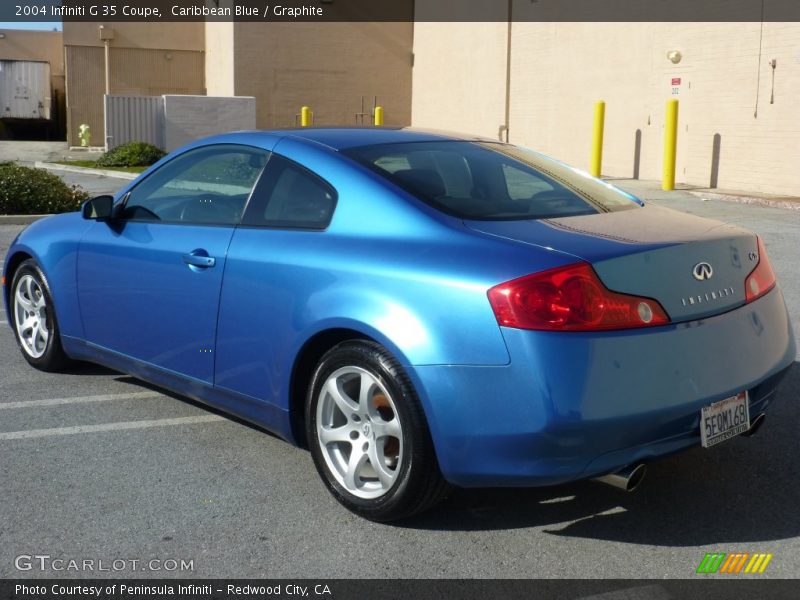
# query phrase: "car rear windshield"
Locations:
[[491, 181]]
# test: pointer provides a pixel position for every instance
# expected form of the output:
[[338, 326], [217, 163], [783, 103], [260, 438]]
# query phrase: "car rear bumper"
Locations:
[[575, 405]]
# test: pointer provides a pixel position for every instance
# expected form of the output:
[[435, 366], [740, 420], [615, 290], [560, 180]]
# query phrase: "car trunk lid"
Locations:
[[694, 267]]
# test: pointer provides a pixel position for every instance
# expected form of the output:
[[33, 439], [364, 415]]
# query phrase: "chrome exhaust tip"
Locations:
[[755, 425], [627, 479]]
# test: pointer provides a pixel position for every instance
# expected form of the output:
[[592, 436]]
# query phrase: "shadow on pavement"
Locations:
[[743, 490], [140, 383], [86, 368]]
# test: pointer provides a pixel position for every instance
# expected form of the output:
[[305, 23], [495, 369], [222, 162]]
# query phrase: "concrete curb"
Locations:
[[20, 219], [768, 202], [85, 171]]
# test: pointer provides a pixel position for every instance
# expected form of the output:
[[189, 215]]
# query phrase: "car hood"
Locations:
[[649, 251]]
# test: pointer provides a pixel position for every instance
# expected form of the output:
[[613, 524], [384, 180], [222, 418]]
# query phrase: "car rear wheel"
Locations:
[[34, 319], [368, 435]]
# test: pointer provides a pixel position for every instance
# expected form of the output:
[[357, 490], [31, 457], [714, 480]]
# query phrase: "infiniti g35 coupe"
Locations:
[[421, 310]]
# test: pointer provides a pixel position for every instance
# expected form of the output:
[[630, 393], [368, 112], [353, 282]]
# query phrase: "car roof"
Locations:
[[342, 138]]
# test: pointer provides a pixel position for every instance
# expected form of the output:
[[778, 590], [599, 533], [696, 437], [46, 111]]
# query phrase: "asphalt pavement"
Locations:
[[96, 185], [96, 465]]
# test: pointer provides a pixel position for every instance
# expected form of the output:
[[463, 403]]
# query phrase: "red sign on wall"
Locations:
[[676, 81]]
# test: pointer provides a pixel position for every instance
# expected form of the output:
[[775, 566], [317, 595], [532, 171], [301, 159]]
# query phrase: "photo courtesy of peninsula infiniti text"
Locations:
[[420, 310]]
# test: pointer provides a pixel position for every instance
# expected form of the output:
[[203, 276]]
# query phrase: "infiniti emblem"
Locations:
[[702, 271]]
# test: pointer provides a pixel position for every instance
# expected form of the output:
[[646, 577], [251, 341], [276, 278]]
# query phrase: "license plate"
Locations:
[[724, 419]]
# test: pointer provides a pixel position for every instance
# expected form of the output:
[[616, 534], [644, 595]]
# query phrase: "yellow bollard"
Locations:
[[597, 138], [378, 116], [305, 116], [670, 145]]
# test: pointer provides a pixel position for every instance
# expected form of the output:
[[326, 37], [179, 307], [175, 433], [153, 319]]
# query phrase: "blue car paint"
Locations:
[[568, 399], [662, 262], [504, 406], [53, 242], [139, 271]]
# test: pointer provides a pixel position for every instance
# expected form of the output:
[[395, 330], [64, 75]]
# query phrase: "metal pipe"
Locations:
[[755, 425], [378, 116], [670, 145], [503, 131], [305, 116], [107, 44], [627, 479], [597, 138]]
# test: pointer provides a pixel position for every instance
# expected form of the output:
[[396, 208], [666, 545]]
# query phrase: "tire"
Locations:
[[360, 401], [34, 319]]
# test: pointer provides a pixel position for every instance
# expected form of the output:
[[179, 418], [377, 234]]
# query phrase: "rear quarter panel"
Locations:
[[387, 267]]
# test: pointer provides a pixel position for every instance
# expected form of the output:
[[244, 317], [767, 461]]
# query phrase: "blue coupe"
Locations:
[[420, 309]]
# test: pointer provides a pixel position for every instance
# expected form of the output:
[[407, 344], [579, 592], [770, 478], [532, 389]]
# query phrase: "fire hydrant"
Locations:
[[85, 135]]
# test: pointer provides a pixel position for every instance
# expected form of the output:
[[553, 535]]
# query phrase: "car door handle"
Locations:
[[198, 260]]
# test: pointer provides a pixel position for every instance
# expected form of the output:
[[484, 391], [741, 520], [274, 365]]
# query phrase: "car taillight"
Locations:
[[762, 278], [570, 298]]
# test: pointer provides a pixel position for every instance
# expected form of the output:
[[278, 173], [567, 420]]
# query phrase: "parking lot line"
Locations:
[[38, 433], [80, 400]]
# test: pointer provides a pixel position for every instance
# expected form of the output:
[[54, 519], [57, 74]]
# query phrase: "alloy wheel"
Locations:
[[359, 431], [30, 314]]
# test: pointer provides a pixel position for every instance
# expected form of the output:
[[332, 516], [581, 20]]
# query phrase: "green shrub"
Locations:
[[132, 154], [26, 191]]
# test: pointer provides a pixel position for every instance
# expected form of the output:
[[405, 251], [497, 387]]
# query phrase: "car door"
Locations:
[[270, 275], [149, 280]]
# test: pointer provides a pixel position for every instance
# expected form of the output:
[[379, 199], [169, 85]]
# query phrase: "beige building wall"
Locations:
[[219, 59], [146, 59], [577, 64], [45, 46], [459, 77], [327, 66], [559, 69], [173, 36]]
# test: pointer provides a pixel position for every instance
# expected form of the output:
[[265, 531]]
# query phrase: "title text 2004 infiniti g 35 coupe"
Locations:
[[421, 310]]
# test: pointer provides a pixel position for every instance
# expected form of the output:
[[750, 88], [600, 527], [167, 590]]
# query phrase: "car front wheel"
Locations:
[[368, 435], [34, 318]]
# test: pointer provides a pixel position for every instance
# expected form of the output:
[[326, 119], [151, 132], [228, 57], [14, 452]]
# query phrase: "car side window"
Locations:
[[291, 196], [208, 185]]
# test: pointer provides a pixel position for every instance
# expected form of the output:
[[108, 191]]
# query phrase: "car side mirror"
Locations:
[[99, 208]]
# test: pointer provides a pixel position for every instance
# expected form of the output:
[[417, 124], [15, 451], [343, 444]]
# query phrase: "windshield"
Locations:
[[491, 181]]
